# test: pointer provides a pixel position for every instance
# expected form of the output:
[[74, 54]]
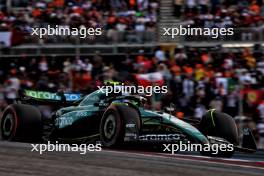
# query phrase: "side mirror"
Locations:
[[170, 109]]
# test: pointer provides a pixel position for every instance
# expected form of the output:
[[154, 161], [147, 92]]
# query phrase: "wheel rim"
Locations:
[[8, 125], [110, 126]]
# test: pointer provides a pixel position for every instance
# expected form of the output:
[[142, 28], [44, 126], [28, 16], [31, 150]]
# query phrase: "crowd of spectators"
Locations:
[[220, 13], [197, 79], [110, 15]]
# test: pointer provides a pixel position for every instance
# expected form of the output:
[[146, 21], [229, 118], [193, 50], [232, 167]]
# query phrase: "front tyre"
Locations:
[[113, 124], [218, 124]]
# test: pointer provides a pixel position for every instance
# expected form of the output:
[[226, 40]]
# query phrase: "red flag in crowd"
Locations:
[[149, 79], [252, 95]]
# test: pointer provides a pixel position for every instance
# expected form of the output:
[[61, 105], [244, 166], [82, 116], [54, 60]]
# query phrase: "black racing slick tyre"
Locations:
[[113, 124], [21, 123], [219, 124]]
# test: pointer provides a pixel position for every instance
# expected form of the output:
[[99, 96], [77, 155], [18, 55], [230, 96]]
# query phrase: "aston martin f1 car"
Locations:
[[114, 120]]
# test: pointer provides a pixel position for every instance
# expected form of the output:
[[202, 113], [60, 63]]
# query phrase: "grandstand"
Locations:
[[226, 73]]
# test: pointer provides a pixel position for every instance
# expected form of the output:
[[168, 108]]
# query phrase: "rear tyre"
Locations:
[[113, 124], [21, 123], [221, 125]]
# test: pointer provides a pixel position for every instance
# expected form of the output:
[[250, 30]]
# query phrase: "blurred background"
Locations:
[[226, 73]]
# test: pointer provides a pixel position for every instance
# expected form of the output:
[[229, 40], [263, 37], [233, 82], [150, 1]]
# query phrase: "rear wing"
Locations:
[[43, 97]]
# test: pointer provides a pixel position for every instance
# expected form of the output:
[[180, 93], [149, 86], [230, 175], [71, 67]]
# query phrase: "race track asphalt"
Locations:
[[16, 159]]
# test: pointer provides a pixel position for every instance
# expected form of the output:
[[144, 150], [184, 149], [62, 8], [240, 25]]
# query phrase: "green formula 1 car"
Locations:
[[114, 120]]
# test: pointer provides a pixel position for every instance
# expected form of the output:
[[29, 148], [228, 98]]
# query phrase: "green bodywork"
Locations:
[[91, 106], [173, 122], [87, 109]]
